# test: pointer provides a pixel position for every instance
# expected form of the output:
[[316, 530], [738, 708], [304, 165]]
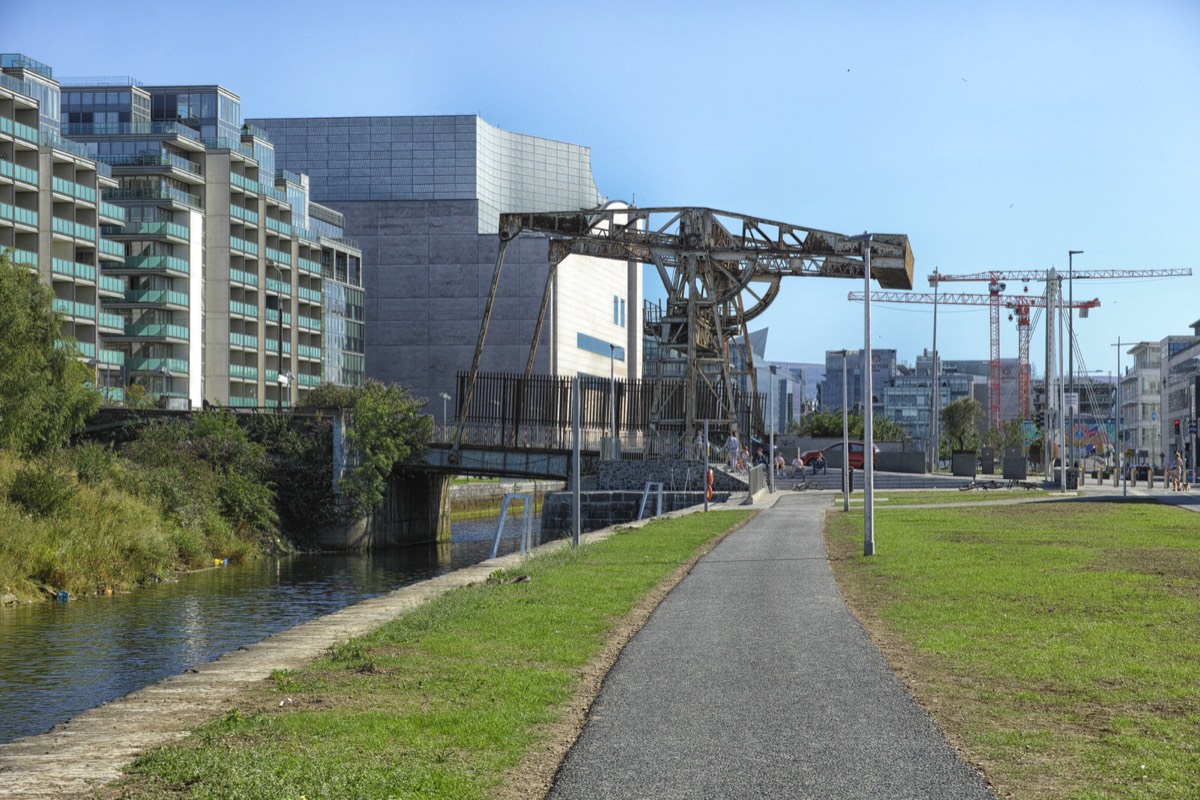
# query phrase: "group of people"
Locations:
[[740, 460]]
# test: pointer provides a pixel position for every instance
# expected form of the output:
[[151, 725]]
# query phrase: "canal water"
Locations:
[[58, 659]]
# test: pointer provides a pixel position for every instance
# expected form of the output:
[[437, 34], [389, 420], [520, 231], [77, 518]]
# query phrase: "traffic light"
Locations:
[[1176, 427]]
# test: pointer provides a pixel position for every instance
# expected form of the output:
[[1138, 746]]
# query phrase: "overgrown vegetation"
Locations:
[[181, 492], [439, 703], [1054, 642]]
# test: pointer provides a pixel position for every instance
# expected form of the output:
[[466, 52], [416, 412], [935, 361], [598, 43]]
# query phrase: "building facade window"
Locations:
[[600, 347]]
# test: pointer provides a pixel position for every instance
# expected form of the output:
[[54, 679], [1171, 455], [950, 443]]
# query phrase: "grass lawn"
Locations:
[[932, 496], [1058, 644], [443, 702]]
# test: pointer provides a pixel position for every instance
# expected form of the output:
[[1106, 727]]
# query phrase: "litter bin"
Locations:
[[1073, 478]]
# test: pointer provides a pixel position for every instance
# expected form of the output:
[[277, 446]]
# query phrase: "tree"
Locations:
[[1008, 434], [45, 391], [826, 424], [959, 423], [385, 429]]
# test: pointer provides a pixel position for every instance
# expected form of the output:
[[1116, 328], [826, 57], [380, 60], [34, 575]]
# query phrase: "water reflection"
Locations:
[[58, 659]]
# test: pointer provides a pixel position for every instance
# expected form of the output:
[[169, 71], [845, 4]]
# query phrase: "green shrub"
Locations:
[[93, 463], [42, 489]]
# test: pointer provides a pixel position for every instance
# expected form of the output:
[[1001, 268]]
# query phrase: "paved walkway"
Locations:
[[753, 680]]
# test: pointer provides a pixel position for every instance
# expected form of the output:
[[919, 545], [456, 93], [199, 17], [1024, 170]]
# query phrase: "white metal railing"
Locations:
[[526, 520], [646, 498]]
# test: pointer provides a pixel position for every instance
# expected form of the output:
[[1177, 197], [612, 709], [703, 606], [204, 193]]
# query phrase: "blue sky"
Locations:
[[996, 135]]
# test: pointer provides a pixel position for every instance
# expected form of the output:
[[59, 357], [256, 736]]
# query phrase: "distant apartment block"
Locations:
[[422, 196], [220, 290], [53, 212]]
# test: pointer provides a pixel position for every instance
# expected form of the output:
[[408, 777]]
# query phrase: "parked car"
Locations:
[[856, 454]]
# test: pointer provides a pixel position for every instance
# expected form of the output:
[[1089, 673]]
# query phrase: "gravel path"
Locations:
[[753, 680]]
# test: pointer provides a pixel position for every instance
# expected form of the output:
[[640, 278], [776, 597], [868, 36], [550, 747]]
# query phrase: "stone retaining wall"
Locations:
[[601, 509], [674, 475]]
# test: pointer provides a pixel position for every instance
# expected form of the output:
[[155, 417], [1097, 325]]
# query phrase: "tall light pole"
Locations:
[[868, 406], [445, 398], [612, 400], [1120, 443], [1071, 341], [771, 430], [934, 396], [845, 435]]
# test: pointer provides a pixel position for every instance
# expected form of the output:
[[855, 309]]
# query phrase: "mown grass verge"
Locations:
[[913, 497], [443, 702], [1056, 643]]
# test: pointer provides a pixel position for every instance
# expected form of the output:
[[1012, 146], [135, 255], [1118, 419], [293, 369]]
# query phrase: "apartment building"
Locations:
[[223, 282], [53, 212], [1179, 362]]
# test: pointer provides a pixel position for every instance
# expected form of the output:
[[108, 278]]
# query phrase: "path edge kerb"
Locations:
[[533, 777]]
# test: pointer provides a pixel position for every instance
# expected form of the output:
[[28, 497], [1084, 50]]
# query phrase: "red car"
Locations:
[[856, 454]]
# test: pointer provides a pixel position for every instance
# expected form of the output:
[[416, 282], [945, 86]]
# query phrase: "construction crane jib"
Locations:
[[1019, 304], [720, 270], [996, 285]]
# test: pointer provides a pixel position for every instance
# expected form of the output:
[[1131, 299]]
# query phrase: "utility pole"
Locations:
[[1071, 342]]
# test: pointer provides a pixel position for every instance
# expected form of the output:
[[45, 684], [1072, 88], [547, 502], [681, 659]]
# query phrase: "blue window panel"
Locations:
[[598, 346]]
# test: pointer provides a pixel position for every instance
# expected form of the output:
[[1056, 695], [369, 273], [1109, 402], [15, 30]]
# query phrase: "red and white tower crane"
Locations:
[[1020, 304], [995, 280]]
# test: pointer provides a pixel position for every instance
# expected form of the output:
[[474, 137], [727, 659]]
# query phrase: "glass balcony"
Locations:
[[23, 257], [84, 311], [153, 160], [308, 380], [111, 211], [282, 228], [244, 246], [155, 229], [308, 265], [245, 215], [84, 193], [157, 330], [309, 323], [52, 139], [243, 371], [178, 366], [15, 171], [63, 226], [87, 349], [242, 402], [112, 322], [272, 315], [279, 287], [244, 309], [311, 295], [26, 132], [73, 269], [22, 215], [271, 345], [127, 194], [279, 255], [243, 182], [157, 262], [111, 248], [85, 232], [308, 351], [156, 296], [241, 276], [130, 128], [113, 357], [245, 340]]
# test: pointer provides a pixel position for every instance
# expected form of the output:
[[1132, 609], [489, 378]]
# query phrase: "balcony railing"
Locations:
[[308, 265], [112, 212], [246, 340], [127, 194], [243, 371], [308, 323], [156, 296], [308, 380], [242, 402], [244, 309], [152, 160], [244, 214], [21, 215], [110, 284], [279, 255], [114, 357], [73, 269], [244, 246], [311, 295], [178, 366], [111, 248], [280, 227], [71, 308], [243, 182], [17, 172], [22, 257], [241, 276], [131, 129], [279, 287], [157, 330], [153, 229], [308, 351], [172, 263], [112, 322]]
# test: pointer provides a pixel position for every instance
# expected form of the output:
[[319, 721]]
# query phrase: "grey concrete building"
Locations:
[[422, 196]]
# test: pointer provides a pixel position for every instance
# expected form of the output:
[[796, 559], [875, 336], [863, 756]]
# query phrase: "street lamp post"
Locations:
[[868, 406], [445, 398], [612, 400], [1071, 341], [771, 430], [845, 435]]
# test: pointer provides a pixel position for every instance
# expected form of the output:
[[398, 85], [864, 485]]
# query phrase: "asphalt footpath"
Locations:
[[753, 680]]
